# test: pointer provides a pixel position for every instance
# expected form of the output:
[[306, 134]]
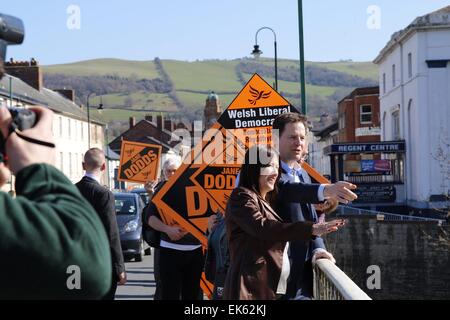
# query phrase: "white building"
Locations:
[[70, 127], [415, 104], [319, 140]]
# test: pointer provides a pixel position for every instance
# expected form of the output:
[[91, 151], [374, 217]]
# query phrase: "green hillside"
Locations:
[[181, 87], [124, 68]]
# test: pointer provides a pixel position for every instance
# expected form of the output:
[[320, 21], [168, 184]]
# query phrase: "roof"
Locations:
[[327, 130], [361, 92], [46, 97], [434, 20], [111, 155], [138, 134]]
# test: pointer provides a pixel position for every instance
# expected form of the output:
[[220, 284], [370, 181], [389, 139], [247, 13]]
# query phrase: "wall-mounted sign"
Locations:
[[373, 193], [367, 131], [375, 147]]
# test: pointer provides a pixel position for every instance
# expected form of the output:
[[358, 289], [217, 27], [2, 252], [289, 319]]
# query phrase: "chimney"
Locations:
[[68, 93], [149, 118], [168, 125], [28, 71], [132, 122], [159, 122]]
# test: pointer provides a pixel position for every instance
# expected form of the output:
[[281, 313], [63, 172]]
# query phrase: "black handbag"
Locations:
[[150, 235]]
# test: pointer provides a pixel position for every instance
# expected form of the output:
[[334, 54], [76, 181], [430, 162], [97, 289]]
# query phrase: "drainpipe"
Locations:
[[403, 116]]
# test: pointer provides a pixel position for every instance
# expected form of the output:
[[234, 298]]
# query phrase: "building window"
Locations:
[[70, 164], [61, 161], [60, 127], [365, 114], [409, 65], [95, 134], [384, 126], [384, 82], [341, 121], [396, 125], [82, 130], [77, 165], [393, 76], [70, 128]]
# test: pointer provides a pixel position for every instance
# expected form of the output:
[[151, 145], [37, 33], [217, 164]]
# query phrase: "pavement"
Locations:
[[140, 280]]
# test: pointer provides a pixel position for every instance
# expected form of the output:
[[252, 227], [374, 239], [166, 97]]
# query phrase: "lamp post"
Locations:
[[302, 57], [99, 107], [256, 52]]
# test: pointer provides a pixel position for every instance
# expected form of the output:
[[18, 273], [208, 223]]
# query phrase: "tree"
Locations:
[[442, 156], [129, 102]]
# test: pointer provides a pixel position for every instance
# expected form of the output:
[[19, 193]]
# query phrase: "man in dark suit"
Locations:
[[295, 199], [102, 200]]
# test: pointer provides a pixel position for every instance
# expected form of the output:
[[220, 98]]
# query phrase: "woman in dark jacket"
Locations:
[[257, 236]]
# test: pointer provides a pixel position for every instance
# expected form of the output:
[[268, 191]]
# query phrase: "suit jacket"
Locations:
[[102, 200], [294, 204], [257, 238]]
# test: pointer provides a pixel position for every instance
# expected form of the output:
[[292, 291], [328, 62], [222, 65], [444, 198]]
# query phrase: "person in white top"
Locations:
[[180, 254]]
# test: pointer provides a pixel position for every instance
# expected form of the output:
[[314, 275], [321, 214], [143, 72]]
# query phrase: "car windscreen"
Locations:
[[143, 194], [125, 205]]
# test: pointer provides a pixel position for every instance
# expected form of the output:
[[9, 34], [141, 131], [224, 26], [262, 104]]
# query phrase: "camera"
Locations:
[[12, 31]]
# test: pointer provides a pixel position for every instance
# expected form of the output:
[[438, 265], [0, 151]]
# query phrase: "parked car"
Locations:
[[142, 193], [129, 219]]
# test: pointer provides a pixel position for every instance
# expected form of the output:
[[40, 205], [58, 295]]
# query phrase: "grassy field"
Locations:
[[361, 69], [203, 75], [113, 115], [140, 99], [197, 100], [99, 67], [294, 88]]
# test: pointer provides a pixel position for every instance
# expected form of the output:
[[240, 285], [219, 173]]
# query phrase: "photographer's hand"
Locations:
[[5, 174], [22, 153]]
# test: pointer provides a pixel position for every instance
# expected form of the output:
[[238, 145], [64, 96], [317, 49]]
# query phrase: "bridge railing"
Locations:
[[331, 283], [349, 211]]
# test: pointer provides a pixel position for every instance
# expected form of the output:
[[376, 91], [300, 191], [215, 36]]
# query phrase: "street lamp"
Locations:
[[302, 57], [257, 52], [99, 107]]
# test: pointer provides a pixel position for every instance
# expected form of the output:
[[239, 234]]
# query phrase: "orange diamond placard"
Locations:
[[139, 162]]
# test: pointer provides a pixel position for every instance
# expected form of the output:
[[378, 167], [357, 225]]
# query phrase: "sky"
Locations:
[[61, 31]]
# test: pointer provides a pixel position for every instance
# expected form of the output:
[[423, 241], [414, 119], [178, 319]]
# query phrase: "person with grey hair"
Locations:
[[103, 202], [169, 167], [180, 257]]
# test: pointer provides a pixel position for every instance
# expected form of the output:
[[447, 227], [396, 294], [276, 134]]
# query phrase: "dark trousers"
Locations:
[[156, 273], [180, 273], [112, 291]]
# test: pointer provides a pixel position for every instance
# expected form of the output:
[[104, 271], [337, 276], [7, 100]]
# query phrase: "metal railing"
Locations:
[[385, 216], [331, 283]]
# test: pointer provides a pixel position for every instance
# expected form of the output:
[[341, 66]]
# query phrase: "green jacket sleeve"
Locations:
[[48, 234]]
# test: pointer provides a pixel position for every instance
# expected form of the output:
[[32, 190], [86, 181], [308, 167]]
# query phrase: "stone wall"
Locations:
[[414, 257]]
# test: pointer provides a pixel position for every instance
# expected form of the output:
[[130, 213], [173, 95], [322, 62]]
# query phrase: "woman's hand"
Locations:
[[327, 227], [150, 187], [175, 233], [212, 222]]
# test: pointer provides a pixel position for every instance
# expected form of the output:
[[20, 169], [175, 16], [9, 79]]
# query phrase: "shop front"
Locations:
[[377, 168]]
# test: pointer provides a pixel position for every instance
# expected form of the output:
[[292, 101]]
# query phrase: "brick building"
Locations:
[[359, 116]]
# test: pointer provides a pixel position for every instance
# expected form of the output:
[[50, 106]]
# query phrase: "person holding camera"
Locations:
[[52, 243]]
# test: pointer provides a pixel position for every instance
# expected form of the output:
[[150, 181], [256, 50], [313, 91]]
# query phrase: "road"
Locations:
[[141, 282]]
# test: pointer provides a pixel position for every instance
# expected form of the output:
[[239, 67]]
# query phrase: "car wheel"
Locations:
[[148, 251], [138, 257]]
